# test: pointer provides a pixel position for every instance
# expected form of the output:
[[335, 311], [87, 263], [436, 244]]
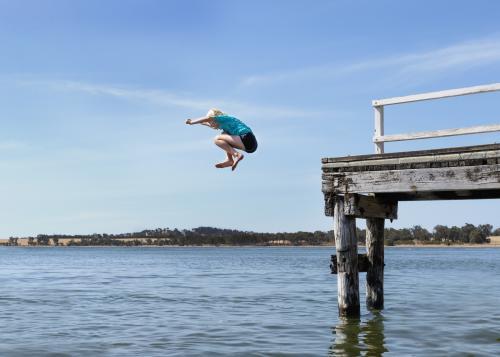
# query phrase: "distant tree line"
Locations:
[[467, 234], [216, 236]]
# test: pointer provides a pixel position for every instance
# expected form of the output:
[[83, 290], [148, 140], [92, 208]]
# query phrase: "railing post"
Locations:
[[379, 128]]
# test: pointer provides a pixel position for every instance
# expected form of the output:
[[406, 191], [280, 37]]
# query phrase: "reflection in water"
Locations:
[[353, 337], [346, 338], [374, 335]]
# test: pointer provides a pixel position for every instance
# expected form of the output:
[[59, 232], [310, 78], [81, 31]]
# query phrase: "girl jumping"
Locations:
[[235, 135]]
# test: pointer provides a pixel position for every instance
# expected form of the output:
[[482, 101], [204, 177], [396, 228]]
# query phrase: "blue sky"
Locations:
[[94, 95]]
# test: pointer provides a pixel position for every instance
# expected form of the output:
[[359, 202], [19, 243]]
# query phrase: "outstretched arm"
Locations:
[[198, 121], [208, 121]]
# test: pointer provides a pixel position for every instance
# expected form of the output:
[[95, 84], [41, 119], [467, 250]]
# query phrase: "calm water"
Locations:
[[241, 302]]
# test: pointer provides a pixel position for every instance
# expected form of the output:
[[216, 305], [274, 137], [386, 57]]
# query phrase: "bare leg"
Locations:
[[228, 143], [236, 161], [225, 146], [233, 140], [227, 163], [229, 153]]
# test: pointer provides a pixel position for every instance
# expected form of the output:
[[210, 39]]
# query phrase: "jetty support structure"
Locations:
[[370, 187]]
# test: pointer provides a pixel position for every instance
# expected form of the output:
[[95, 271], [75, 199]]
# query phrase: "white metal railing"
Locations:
[[378, 105]]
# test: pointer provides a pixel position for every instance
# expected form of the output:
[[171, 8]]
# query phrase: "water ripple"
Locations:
[[242, 302]]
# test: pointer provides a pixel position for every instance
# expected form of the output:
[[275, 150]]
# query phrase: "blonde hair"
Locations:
[[214, 112]]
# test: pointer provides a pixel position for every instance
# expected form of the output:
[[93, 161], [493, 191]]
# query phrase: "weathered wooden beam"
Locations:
[[469, 158], [363, 263], [375, 257], [441, 195], [401, 154], [329, 204], [408, 165], [415, 180], [437, 95], [362, 206], [346, 247], [377, 139]]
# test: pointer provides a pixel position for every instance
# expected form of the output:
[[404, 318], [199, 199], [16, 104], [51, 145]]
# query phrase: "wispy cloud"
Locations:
[[455, 57], [168, 99], [473, 53], [13, 145], [151, 95]]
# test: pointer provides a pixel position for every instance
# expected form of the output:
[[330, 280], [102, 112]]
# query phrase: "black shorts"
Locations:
[[249, 141]]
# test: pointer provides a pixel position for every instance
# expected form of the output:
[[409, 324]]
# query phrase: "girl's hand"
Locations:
[[188, 122]]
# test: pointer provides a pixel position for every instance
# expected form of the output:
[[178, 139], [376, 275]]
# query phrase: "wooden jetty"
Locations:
[[370, 187]]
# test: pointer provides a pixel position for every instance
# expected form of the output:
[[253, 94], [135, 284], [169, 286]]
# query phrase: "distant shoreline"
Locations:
[[442, 236], [485, 245]]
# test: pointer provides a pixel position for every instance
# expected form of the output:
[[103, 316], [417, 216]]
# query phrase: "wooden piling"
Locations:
[[375, 254], [347, 261]]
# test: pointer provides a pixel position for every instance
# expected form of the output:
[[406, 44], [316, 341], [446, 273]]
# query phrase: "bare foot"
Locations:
[[221, 165], [239, 157]]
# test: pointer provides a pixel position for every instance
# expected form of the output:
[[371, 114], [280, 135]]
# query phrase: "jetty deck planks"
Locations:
[[455, 173]]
